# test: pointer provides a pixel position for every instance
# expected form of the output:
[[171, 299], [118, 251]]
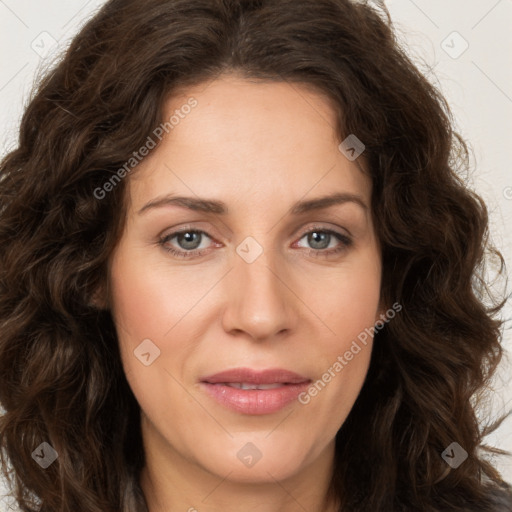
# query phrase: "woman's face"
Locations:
[[268, 286]]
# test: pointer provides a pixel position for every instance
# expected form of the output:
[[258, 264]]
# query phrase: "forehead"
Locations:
[[235, 106], [246, 137]]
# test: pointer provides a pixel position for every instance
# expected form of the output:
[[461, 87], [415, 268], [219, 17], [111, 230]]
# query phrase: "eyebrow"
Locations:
[[220, 208]]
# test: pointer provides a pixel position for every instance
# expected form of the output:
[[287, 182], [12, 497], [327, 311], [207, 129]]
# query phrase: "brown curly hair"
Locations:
[[61, 378]]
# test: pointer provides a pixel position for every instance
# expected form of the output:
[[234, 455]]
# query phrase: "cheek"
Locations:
[[348, 304], [134, 303], [141, 311], [334, 390], [151, 302], [147, 298], [349, 309]]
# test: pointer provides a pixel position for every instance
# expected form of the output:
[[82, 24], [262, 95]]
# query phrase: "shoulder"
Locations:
[[497, 500], [494, 500], [501, 500]]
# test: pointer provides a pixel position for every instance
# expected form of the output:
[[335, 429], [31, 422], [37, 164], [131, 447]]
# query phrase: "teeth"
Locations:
[[243, 385]]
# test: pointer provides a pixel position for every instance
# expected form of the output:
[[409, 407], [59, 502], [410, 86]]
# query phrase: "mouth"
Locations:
[[255, 377], [246, 385], [254, 392]]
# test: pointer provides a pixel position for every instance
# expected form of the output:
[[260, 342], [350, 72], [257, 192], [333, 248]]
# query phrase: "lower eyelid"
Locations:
[[345, 241], [167, 238]]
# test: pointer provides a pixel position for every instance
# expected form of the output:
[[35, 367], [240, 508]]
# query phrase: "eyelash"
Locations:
[[346, 242]]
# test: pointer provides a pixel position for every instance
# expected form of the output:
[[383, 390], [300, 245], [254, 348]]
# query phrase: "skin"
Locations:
[[259, 147]]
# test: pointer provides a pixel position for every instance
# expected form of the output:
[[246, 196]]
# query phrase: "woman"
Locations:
[[239, 271]]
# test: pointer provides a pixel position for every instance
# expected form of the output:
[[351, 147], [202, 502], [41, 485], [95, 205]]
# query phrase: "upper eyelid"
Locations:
[[304, 232], [319, 227]]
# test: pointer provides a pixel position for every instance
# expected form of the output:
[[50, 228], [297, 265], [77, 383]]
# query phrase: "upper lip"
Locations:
[[250, 376]]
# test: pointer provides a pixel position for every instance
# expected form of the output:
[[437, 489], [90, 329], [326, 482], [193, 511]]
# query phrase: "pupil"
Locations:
[[189, 242], [320, 235]]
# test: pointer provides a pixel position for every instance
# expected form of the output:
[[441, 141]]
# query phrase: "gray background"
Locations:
[[464, 46]]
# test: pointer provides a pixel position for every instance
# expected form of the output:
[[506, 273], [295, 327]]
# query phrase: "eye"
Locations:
[[188, 239], [189, 242], [320, 239]]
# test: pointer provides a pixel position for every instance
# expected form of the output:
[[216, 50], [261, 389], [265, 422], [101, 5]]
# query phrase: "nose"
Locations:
[[260, 301]]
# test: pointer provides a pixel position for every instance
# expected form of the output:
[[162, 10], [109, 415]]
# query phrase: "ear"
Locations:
[[386, 312], [381, 315], [99, 299]]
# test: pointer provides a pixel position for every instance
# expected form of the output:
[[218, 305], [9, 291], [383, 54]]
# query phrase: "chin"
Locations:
[[258, 461]]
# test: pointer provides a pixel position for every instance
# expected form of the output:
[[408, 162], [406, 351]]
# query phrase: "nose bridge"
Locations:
[[259, 301]]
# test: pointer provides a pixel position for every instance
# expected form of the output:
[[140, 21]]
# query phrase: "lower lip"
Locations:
[[255, 401]]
